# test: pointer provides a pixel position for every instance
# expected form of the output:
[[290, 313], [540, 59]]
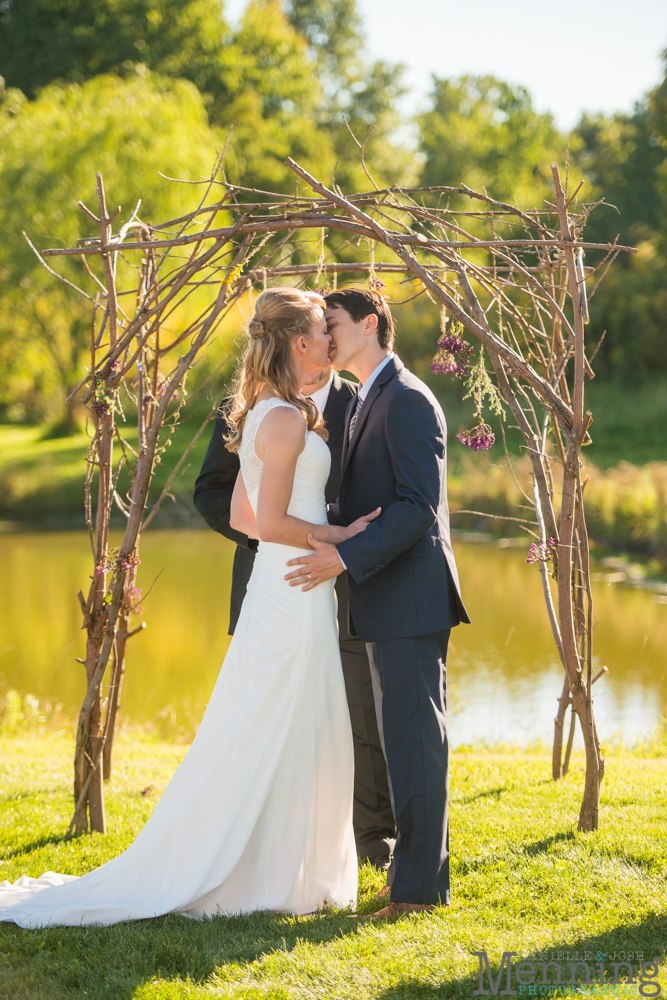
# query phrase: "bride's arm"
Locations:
[[241, 514], [279, 442]]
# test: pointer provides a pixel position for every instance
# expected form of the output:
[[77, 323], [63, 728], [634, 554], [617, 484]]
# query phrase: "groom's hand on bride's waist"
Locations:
[[322, 564]]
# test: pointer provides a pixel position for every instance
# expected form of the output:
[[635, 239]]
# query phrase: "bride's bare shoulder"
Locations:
[[285, 418], [283, 424]]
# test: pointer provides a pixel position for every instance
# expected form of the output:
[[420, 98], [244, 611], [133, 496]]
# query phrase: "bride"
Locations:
[[258, 815]]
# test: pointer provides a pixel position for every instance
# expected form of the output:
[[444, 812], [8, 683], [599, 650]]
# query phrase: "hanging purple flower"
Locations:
[[444, 366], [376, 284], [542, 553], [480, 438], [454, 356]]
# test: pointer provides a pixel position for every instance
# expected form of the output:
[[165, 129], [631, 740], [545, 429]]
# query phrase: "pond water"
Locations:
[[504, 676]]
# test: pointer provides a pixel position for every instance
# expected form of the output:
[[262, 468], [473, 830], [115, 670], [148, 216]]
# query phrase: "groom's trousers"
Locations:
[[409, 680]]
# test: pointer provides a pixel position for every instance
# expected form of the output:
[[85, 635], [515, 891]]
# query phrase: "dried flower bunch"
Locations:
[[454, 355], [480, 438], [542, 553]]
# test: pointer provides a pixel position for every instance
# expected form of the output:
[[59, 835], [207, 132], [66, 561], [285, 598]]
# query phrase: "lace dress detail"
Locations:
[[251, 465]]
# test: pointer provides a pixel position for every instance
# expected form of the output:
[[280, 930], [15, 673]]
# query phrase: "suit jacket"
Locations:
[[402, 576], [215, 485]]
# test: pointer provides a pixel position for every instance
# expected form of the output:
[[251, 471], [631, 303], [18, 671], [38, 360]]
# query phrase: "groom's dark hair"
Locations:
[[360, 303]]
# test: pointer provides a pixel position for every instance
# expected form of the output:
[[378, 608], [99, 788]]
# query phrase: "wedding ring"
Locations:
[[309, 577]]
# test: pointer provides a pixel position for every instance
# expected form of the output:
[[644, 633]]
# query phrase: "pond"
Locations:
[[504, 677]]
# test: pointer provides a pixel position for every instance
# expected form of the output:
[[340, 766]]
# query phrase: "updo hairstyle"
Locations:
[[280, 315]]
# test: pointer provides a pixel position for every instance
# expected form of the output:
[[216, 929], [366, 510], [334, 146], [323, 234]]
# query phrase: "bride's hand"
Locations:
[[362, 522]]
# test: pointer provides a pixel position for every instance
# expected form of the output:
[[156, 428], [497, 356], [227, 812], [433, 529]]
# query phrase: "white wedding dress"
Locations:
[[258, 815]]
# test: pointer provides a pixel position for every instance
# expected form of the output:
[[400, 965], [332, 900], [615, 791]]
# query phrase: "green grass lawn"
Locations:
[[523, 880], [42, 479]]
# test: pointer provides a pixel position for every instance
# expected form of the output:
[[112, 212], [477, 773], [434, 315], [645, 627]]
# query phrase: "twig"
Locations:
[[55, 273], [158, 503], [500, 517]]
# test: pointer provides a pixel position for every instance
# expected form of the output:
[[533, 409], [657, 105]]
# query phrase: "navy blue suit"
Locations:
[[403, 600]]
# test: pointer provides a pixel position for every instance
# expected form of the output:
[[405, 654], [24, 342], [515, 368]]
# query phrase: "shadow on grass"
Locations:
[[34, 845], [114, 962], [464, 800], [542, 846], [111, 963], [646, 939]]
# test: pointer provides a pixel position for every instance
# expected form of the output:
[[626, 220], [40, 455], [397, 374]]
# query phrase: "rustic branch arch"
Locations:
[[514, 280]]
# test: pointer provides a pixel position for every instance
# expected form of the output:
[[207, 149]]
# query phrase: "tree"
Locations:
[[624, 160], [74, 40], [273, 94], [262, 78], [357, 90], [333, 31], [621, 158], [50, 149], [487, 131]]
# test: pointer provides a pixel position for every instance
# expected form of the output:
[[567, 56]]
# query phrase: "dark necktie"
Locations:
[[353, 421]]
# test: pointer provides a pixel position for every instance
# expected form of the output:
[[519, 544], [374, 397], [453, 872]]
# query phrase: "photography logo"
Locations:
[[569, 973]]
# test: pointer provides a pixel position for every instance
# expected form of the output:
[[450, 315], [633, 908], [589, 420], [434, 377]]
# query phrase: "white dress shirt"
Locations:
[[366, 387], [320, 396]]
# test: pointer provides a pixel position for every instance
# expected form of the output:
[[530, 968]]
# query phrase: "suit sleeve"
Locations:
[[417, 446], [333, 513], [215, 485]]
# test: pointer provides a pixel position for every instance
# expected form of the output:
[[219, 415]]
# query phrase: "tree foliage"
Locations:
[[130, 87], [621, 158], [360, 92], [51, 150], [485, 133], [273, 94], [624, 160], [74, 40], [284, 79]]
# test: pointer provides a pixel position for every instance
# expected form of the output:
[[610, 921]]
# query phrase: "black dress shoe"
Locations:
[[381, 864]]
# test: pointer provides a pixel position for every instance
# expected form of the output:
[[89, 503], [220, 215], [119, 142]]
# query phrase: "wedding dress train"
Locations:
[[258, 815]]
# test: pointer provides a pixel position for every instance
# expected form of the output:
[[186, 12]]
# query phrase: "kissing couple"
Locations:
[[259, 814]]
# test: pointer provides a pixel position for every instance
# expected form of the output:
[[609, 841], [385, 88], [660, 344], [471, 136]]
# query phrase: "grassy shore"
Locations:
[[523, 881]]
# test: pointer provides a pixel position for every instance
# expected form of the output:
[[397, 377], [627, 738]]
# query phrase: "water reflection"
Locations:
[[503, 665], [506, 668]]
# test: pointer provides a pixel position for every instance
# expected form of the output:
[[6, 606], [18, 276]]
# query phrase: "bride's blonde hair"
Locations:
[[280, 315]]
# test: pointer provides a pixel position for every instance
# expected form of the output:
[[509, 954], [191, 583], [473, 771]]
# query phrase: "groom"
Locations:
[[402, 580], [373, 822]]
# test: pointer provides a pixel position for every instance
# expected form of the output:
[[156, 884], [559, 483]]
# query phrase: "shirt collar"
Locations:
[[366, 387], [320, 396]]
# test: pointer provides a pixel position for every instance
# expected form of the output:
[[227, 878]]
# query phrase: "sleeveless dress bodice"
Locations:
[[312, 467]]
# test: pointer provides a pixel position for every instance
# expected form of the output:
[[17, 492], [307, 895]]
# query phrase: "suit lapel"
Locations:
[[388, 372], [334, 411]]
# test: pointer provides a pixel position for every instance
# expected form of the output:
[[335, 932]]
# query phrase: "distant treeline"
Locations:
[[133, 87]]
